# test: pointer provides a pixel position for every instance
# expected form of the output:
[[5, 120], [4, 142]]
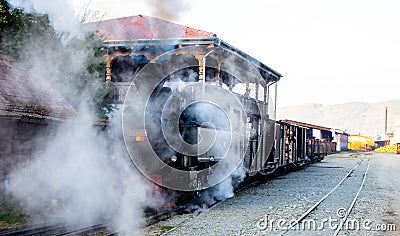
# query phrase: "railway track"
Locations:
[[69, 230], [216, 203], [33, 230], [323, 209], [245, 185], [59, 230], [198, 214], [108, 229], [105, 229]]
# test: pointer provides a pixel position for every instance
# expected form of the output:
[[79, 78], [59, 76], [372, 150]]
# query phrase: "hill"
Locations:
[[355, 117]]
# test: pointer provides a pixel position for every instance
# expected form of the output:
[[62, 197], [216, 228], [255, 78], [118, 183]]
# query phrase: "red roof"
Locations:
[[144, 27]]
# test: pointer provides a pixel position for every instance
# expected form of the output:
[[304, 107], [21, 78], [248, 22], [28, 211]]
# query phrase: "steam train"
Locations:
[[200, 109]]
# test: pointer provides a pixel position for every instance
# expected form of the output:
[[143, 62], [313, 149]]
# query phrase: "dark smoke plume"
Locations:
[[168, 9]]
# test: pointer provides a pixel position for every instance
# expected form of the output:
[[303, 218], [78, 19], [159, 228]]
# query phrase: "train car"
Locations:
[[291, 149], [319, 140]]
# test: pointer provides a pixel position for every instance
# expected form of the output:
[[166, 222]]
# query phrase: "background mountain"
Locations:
[[355, 117]]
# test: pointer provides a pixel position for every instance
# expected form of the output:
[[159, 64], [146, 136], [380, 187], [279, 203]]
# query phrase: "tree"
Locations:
[[91, 81], [16, 27], [25, 35]]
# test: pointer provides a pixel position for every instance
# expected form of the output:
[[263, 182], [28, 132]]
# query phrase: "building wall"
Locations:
[[20, 140], [396, 130], [358, 142], [344, 142]]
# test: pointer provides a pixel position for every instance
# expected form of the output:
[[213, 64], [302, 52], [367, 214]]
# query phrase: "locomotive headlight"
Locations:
[[174, 158]]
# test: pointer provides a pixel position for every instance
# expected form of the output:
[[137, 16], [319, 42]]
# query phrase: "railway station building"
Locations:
[[27, 115], [132, 42]]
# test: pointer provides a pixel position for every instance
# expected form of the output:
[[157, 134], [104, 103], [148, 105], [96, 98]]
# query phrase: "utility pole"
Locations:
[[386, 109]]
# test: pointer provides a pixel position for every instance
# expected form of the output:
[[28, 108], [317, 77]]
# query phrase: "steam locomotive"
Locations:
[[199, 109]]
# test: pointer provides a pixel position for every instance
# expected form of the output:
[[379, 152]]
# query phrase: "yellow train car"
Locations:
[[361, 143]]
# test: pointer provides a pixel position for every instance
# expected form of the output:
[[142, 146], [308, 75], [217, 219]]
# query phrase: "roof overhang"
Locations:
[[266, 72]]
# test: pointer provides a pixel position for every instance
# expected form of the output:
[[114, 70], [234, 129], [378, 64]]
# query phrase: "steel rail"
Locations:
[[353, 202], [311, 209], [84, 230], [32, 230]]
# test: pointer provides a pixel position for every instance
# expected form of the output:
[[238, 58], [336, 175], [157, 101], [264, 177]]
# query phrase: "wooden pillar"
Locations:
[[108, 60], [200, 58], [265, 95], [201, 71], [257, 87], [218, 74]]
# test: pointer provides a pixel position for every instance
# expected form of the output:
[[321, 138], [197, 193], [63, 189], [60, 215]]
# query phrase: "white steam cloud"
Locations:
[[80, 176], [77, 180], [61, 13]]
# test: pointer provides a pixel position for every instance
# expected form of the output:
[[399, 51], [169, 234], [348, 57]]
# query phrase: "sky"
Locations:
[[329, 52]]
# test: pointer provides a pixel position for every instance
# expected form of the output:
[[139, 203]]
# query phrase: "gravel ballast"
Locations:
[[287, 197]]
